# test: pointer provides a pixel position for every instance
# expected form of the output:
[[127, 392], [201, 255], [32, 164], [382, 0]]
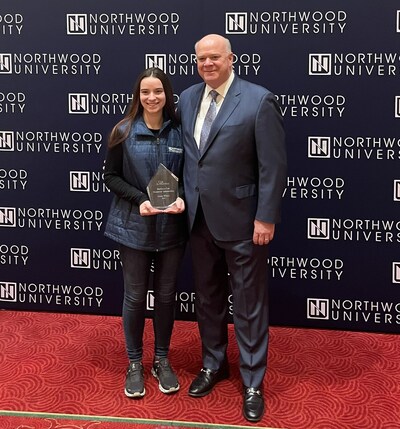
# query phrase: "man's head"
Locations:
[[214, 59]]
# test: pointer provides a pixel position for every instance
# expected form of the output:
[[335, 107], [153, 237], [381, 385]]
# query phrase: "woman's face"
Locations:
[[152, 95]]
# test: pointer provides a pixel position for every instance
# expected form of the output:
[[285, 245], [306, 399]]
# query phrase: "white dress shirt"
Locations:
[[205, 104]]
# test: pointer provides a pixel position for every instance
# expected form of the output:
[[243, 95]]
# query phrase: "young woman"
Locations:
[[148, 136]]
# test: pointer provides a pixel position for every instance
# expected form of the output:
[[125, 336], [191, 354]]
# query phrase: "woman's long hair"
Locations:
[[136, 108]]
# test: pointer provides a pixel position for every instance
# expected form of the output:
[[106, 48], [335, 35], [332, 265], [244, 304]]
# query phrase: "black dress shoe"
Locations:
[[253, 404], [206, 379]]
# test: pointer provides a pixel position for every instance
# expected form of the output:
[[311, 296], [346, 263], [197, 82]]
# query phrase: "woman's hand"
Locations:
[[177, 207], [146, 209]]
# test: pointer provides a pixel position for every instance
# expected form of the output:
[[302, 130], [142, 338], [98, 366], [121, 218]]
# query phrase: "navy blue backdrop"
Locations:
[[67, 70]]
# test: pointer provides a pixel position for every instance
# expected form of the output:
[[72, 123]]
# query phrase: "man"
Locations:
[[233, 190]]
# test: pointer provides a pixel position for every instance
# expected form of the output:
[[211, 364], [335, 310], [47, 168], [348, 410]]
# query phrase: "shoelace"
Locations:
[[163, 365], [135, 367]]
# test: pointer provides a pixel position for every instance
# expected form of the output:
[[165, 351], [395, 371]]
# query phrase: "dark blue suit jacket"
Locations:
[[242, 172]]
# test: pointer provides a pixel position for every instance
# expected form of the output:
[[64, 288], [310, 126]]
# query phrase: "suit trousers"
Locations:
[[239, 266]]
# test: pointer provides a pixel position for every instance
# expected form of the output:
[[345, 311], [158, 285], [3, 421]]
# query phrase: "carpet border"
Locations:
[[172, 423]]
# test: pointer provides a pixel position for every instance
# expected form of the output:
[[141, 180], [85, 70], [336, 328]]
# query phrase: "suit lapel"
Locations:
[[230, 103], [194, 106]]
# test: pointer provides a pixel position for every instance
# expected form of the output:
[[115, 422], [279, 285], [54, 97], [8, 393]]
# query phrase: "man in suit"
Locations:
[[233, 191]]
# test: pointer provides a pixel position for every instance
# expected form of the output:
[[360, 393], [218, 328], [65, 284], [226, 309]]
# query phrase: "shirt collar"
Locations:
[[222, 89]]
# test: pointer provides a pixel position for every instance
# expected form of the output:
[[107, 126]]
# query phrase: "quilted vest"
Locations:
[[143, 151]]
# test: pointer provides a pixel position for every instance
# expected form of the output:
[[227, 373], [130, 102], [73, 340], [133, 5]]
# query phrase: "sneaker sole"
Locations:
[[170, 390], [136, 394]]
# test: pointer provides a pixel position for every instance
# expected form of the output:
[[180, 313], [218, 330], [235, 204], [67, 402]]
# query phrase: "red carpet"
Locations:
[[75, 365], [46, 421], [57, 422]]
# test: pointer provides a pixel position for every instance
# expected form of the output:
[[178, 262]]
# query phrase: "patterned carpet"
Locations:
[[16, 420], [75, 365]]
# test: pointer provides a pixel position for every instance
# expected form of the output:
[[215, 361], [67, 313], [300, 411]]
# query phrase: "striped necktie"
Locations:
[[208, 120]]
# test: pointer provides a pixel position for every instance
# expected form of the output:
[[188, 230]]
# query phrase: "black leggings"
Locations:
[[136, 267]]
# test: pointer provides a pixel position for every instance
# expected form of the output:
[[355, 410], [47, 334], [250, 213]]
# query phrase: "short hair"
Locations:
[[227, 42]]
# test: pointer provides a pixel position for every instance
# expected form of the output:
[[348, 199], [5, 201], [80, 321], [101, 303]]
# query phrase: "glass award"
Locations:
[[163, 188]]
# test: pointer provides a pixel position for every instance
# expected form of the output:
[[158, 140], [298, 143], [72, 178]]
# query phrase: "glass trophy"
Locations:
[[163, 188]]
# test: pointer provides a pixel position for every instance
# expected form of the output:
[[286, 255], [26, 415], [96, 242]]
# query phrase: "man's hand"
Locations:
[[263, 232]]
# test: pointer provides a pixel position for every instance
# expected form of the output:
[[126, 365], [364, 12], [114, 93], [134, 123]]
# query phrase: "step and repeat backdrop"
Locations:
[[67, 70]]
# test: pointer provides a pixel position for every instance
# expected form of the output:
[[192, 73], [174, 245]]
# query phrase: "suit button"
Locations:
[[200, 164], [196, 189]]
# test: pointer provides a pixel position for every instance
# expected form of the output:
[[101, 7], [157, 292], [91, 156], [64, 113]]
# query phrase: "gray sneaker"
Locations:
[[134, 383], [162, 371]]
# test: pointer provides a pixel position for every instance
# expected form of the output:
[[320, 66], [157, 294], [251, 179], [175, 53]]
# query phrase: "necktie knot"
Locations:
[[214, 94]]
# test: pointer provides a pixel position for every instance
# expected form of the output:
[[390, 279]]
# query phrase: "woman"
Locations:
[[147, 136]]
